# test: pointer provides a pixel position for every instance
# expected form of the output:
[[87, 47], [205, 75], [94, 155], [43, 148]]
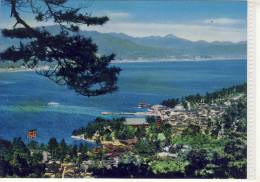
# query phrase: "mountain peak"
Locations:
[[168, 46], [170, 36]]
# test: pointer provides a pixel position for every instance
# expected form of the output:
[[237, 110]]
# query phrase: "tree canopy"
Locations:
[[67, 57]]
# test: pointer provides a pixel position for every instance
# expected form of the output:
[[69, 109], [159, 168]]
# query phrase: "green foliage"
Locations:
[[83, 149], [194, 98], [129, 170], [168, 166], [219, 153], [125, 132], [170, 102], [21, 166], [20, 159], [234, 120], [200, 141], [218, 96], [145, 148], [161, 137], [236, 153], [184, 103], [53, 147], [20, 148], [151, 119], [35, 158], [62, 150], [6, 148], [100, 125], [140, 132], [197, 161], [33, 145], [74, 152], [5, 168], [191, 130], [73, 57]]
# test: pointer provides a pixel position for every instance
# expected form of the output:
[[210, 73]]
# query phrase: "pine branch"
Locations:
[[74, 57]]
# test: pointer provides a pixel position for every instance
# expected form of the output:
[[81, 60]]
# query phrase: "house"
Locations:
[[135, 122], [179, 107], [166, 154], [45, 156]]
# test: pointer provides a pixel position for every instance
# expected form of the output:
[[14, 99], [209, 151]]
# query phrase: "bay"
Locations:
[[30, 101]]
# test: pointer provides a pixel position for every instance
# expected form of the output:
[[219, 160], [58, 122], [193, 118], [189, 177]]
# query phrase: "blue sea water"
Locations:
[[24, 96]]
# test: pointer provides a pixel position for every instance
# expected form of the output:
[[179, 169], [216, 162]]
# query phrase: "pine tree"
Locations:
[[63, 150], [71, 59], [53, 147]]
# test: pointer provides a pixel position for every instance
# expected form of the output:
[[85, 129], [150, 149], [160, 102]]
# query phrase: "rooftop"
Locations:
[[135, 121]]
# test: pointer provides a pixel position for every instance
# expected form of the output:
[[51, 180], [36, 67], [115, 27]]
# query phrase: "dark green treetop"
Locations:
[[69, 58]]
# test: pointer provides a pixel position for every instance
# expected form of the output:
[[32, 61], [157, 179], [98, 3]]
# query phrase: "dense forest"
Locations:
[[216, 96]]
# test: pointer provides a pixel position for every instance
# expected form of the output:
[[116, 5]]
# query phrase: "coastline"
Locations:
[[3, 70], [174, 60], [13, 70], [135, 91]]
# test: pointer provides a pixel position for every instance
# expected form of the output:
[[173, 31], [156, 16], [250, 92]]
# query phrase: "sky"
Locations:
[[209, 20]]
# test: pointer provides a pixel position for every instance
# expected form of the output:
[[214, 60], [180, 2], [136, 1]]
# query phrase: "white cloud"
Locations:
[[115, 15], [220, 29], [188, 31]]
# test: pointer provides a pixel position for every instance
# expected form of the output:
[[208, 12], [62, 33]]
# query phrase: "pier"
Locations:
[[129, 113]]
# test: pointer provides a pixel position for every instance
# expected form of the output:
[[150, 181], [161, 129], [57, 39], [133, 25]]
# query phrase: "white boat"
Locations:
[[53, 104], [78, 137], [81, 137], [106, 113]]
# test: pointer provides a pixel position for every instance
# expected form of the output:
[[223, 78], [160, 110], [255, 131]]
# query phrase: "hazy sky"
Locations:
[[208, 20]]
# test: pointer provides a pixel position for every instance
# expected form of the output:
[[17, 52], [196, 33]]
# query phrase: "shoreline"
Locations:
[[175, 60], [3, 70], [13, 70], [70, 138]]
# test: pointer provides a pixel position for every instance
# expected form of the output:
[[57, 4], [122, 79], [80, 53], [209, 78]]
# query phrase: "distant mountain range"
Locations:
[[155, 47]]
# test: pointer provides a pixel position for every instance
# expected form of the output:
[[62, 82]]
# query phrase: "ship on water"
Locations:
[[143, 105]]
